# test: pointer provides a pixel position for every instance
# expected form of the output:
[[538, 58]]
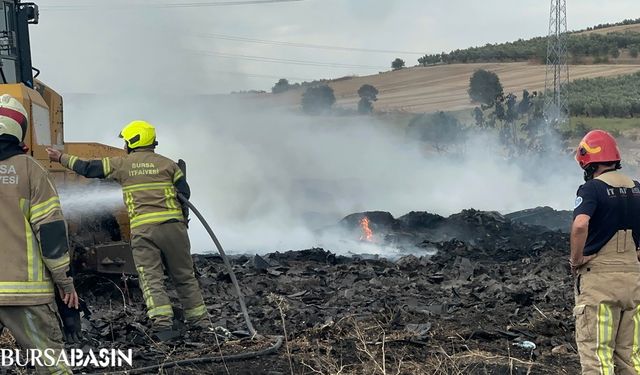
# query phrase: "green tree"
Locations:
[[615, 52], [281, 86], [439, 129], [499, 112], [365, 107], [478, 115], [526, 103], [397, 64], [368, 94], [512, 111], [485, 87], [318, 99]]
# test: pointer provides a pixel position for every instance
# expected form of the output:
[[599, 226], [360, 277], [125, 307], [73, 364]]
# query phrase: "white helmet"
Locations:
[[13, 117]]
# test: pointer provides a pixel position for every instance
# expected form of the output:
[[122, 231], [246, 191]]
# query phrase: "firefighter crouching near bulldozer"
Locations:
[[34, 252], [159, 240], [604, 240]]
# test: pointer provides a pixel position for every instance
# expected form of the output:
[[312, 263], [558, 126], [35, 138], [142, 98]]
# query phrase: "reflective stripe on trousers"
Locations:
[[196, 312], [607, 309], [152, 310], [636, 340], [35, 335], [605, 340]]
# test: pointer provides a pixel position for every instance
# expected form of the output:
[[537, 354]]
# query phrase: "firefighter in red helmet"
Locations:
[[604, 239]]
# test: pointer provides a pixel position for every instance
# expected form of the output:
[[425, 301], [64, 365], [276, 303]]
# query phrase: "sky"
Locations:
[[179, 46]]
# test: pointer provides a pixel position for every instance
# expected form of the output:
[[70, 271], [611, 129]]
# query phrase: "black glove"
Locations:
[[71, 323]]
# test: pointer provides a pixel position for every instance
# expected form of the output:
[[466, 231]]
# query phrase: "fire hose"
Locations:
[[209, 359], [202, 360], [227, 264]]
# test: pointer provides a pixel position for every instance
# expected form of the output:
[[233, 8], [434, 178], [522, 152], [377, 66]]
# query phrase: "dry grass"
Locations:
[[613, 29], [463, 363], [283, 306], [6, 340], [438, 363], [428, 89], [372, 355], [368, 346]]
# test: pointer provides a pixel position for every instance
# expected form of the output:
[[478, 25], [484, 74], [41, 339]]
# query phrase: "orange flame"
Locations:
[[367, 233]]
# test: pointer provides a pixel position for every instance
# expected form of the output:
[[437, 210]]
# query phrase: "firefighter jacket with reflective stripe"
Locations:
[[35, 249], [150, 183]]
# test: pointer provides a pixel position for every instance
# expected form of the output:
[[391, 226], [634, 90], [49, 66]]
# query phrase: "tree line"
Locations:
[[626, 22], [599, 47]]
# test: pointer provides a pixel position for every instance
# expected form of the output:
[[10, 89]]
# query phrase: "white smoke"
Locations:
[[268, 179]]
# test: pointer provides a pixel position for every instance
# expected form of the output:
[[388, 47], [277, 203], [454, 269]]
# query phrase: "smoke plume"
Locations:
[[269, 179]]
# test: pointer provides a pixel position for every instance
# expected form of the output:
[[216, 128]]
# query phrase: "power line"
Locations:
[[255, 75], [303, 45], [285, 61], [122, 6]]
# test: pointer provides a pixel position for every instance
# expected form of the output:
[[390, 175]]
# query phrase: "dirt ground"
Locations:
[[496, 298]]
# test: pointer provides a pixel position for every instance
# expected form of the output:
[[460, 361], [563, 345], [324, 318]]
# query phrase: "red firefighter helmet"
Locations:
[[597, 146]]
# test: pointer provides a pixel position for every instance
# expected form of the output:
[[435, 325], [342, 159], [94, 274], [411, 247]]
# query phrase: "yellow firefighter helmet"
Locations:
[[139, 134]]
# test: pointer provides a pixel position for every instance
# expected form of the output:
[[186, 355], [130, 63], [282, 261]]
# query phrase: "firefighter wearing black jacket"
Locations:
[[604, 238]]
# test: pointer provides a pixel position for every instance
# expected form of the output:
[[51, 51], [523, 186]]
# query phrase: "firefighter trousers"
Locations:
[[166, 246], [607, 310], [36, 327]]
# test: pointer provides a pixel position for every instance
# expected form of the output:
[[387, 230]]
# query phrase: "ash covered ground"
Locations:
[[495, 285]]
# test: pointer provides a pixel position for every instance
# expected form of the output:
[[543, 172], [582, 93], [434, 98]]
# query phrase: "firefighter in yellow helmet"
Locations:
[[159, 240], [34, 252]]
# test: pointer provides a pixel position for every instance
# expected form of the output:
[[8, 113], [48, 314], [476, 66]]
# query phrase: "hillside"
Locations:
[[443, 87], [613, 29], [440, 83], [593, 47]]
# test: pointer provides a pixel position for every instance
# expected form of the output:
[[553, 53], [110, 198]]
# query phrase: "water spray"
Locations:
[[90, 198]]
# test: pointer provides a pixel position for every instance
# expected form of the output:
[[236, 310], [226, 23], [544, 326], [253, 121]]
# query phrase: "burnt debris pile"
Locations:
[[496, 297], [544, 216], [510, 236]]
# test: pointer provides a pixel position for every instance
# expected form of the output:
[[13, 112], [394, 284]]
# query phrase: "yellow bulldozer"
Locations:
[[99, 241]]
